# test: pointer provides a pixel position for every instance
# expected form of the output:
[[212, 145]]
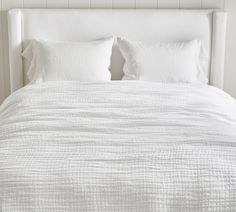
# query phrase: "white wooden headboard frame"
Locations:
[[147, 25]]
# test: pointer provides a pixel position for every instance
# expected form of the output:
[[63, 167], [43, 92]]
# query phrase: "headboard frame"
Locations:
[[147, 25]]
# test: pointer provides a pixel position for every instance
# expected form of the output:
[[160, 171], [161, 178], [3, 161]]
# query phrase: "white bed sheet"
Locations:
[[117, 147]]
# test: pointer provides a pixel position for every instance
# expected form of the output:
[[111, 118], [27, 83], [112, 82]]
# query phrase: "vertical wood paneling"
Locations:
[[213, 3], [190, 3], [230, 62], [35, 3], [57, 3], [101, 3], [146, 3], [8, 4], [2, 77], [79, 3], [168, 3], [123, 4]]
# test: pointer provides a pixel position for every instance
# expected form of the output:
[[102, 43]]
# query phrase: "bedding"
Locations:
[[57, 60], [178, 62], [118, 147]]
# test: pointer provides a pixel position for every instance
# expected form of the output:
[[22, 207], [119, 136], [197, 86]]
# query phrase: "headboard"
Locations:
[[146, 25]]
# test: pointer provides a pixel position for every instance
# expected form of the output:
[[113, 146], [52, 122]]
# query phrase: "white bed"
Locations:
[[145, 25], [120, 145]]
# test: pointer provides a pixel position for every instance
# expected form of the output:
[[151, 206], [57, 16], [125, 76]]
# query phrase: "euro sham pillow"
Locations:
[[177, 62], [79, 61]]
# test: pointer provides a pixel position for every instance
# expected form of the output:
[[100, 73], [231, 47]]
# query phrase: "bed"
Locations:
[[119, 145]]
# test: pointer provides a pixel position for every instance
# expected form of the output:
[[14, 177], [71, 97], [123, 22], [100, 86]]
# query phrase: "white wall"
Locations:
[[230, 5], [230, 63]]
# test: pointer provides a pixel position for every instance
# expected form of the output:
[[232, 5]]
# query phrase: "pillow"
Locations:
[[82, 61], [162, 62]]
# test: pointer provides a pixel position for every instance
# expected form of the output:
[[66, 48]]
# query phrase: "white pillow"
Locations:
[[82, 61], [162, 62]]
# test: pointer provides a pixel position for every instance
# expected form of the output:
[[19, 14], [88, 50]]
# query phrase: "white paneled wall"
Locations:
[[213, 3], [79, 3], [101, 4], [230, 63], [123, 3], [8, 4], [146, 4], [168, 3], [35, 3], [191, 3], [2, 77], [57, 3]]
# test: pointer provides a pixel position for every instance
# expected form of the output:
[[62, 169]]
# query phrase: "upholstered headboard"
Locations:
[[146, 25]]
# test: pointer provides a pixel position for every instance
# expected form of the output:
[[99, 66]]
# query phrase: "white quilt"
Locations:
[[118, 147]]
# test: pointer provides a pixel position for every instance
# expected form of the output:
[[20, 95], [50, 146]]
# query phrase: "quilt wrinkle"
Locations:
[[124, 146]]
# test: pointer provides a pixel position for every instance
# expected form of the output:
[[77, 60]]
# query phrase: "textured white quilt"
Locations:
[[118, 147]]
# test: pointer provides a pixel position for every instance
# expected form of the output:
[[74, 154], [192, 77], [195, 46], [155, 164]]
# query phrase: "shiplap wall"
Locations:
[[8, 4]]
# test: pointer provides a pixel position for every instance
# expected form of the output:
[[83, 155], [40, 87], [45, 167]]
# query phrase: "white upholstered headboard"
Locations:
[[145, 25]]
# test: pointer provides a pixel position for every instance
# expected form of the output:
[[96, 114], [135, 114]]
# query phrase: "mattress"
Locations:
[[122, 146]]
